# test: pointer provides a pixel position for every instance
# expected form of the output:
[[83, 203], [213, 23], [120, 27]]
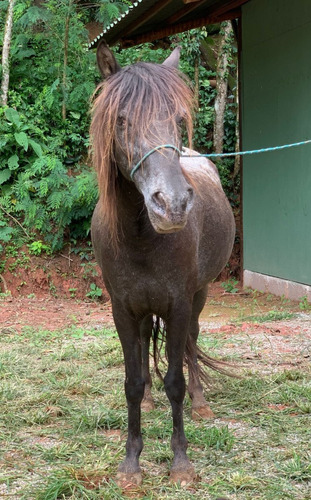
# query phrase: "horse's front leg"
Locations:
[[128, 331], [177, 329]]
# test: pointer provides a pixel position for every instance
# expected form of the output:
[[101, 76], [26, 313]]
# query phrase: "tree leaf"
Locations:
[[13, 116], [75, 115], [13, 162], [23, 54], [22, 139], [3, 141], [36, 147], [33, 15], [6, 233], [5, 175]]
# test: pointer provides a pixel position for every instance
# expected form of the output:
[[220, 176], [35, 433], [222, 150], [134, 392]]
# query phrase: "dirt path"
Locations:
[[52, 314]]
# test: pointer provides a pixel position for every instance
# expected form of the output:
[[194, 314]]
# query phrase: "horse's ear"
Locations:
[[106, 61], [173, 58]]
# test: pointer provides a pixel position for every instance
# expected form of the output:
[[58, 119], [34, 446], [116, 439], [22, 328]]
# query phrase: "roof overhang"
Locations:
[[149, 20]]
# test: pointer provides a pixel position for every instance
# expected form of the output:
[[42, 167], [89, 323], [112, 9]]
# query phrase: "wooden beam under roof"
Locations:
[[146, 16], [186, 10], [177, 28]]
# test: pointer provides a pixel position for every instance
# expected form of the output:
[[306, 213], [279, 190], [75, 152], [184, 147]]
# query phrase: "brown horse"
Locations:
[[161, 231]]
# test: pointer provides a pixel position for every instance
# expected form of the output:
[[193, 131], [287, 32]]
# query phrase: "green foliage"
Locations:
[[5, 233], [304, 303], [230, 286], [95, 292], [44, 180], [37, 248], [269, 316], [37, 185], [109, 10]]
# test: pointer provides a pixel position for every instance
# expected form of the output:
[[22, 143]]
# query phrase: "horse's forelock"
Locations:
[[139, 93]]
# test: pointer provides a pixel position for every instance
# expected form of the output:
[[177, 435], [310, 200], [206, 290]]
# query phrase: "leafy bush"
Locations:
[[38, 187], [46, 187]]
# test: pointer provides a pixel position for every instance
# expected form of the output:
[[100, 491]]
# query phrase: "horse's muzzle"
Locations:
[[168, 213]]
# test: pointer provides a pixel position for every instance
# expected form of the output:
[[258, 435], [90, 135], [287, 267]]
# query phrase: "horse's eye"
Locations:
[[121, 121]]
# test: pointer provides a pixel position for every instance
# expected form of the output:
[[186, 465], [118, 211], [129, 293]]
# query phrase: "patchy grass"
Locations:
[[63, 423], [274, 315]]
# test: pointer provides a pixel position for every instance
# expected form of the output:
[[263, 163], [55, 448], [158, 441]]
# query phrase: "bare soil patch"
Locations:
[[64, 275]]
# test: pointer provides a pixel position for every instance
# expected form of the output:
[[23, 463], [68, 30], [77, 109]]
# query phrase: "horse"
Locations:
[[161, 231]]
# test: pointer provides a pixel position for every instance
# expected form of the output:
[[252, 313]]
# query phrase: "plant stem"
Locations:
[[65, 64], [15, 220]]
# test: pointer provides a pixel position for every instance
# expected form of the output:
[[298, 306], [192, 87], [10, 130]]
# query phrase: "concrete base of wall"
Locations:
[[277, 286]]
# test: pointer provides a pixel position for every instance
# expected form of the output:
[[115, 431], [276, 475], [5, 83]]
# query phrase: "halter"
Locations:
[[163, 146]]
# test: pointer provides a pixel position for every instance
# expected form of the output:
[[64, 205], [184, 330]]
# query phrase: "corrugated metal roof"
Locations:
[[148, 20]]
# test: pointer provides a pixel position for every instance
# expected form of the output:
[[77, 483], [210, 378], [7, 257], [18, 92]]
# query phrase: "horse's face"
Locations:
[[138, 110], [168, 196]]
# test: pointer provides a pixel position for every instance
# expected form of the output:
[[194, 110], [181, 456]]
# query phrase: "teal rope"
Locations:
[[254, 151], [163, 146], [215, 155]]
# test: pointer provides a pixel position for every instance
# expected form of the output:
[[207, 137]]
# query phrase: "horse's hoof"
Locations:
[[202, 413], [127, 480], [147, 404], [183, 476]]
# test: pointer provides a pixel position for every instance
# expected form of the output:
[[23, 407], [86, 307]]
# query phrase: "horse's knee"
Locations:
[[134, 389], [175, 386]]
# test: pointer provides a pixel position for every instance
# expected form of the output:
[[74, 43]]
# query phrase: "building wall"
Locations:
[[276, 110]]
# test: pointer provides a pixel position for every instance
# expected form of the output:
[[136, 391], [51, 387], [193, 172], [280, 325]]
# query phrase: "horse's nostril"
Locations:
[[190, 194], [187, 199], [159, 200]]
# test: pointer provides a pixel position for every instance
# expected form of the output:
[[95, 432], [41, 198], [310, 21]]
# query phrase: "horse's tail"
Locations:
[[159, 337], [195, 358], [197, 361]]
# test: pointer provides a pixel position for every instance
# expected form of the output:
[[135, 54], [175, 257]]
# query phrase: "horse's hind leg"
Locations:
[[145, 336], [200, 408]]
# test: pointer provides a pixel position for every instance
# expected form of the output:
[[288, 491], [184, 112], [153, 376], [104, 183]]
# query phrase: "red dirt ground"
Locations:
[[45, 311]]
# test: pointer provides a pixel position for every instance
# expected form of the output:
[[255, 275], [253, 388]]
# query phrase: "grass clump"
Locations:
[[70, 483], [269, 316], [103, 418]]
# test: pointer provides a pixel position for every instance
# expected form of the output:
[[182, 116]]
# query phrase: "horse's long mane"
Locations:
[[136, 94]]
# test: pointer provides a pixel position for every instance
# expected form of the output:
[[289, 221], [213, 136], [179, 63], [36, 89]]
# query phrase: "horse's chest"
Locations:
[[141, 276], [146, 285]]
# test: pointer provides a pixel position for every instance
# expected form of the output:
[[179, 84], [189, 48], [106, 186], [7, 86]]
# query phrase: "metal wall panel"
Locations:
[[276, 110]]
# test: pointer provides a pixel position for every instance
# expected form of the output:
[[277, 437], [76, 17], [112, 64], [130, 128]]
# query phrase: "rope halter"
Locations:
[[163, 146]]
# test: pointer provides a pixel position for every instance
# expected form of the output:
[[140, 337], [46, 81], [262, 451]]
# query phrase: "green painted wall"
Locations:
[[276, 109]]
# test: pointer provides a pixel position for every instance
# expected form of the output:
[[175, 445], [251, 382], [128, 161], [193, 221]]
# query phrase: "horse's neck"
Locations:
[[132, 212]]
